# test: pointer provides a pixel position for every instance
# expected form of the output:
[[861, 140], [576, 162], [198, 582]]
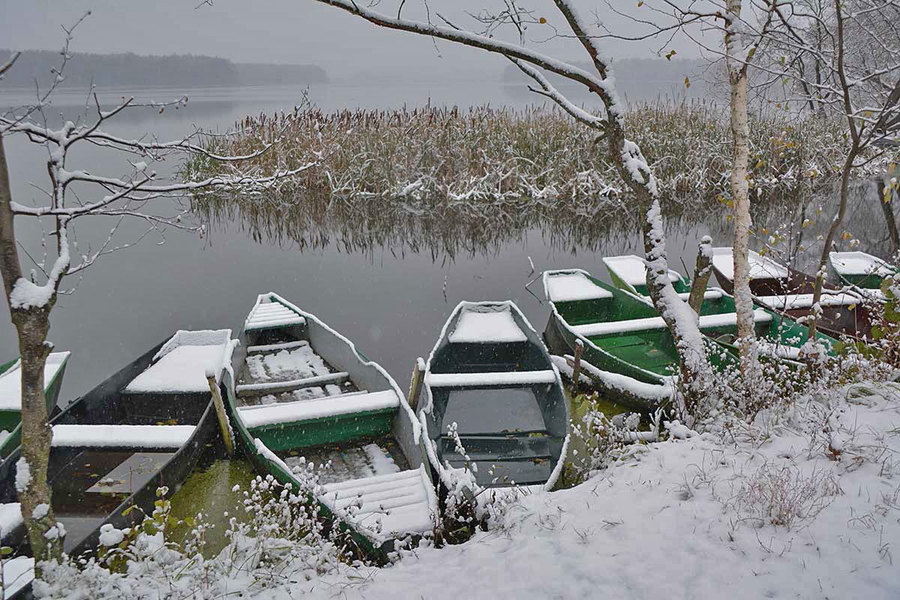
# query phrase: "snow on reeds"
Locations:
[[485, 154]]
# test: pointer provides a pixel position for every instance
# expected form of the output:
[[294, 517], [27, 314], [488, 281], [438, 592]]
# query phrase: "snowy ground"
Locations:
[[809, 510]]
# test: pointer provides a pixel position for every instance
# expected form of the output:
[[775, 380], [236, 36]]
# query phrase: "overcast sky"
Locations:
[[279, 31]]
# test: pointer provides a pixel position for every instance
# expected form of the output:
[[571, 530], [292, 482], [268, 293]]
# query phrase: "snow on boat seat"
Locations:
[[268, 314], [394, 503], [571, 286], [795, 301], [859, 263], [761, 267], [706, 322], [181, 364], [502, 378], [10, 517], [479, 325], [308, 410], [11, 380], [633, 270], [277, 387], [122, 436]]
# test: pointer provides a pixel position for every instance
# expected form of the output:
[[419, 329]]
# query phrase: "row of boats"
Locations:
[[298, 393]]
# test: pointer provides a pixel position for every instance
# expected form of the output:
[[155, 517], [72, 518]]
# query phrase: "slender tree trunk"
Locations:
[[846, 172], [885, 199], [740, 195], [32, 325], [702, 271]]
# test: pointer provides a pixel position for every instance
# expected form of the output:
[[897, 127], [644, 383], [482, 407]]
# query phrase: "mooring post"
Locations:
[[415, 384], [220, 412], [576, 366]]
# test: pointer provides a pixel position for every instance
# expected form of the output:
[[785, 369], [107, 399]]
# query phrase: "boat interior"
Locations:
[[113, 442], [509, 412]]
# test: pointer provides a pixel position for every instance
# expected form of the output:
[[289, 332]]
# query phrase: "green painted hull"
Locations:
[[11, 420], [350, 430], [328, 430], [648, 356], [869, 282]]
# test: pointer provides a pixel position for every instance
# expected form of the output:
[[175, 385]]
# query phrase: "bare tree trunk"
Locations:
[[740, 133], [846, 172], [32, 325], [702, 271], [885, 199]]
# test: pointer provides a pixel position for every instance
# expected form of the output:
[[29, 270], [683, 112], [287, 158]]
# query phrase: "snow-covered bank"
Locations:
[[696, 518], [804, 504]]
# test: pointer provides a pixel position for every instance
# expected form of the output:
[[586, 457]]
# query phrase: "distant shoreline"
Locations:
[[140, 71]]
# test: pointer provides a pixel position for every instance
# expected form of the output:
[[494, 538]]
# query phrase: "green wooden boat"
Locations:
[[628, 272], [629, 348], [144, 427], [11, 397], [490, 374], [863, 271], [304, 394]]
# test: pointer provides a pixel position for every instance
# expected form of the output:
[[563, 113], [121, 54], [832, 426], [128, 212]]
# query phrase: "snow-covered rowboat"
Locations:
[[304, 394], [491, 375], [862, 270], [11, 397], [629, 272], [790, 292], [629, 351], [143, 428]]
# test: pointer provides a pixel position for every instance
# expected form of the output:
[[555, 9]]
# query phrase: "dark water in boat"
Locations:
[[386, 279]]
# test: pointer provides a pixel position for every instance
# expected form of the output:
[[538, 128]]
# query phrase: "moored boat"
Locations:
[[790, 292], [627, 345], [492, 396], [143, 428], [862, 270], [305, 395], [629, 272], [11, 397]]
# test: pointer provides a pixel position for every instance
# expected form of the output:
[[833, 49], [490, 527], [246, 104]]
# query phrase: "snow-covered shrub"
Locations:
[[782, 496], [281, 538]]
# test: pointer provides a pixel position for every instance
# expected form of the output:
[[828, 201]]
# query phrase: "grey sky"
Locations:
[[281, 31]]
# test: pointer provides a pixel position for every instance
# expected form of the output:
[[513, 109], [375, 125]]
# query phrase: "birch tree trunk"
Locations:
[[740, 133], [885, 198], [32, 325]]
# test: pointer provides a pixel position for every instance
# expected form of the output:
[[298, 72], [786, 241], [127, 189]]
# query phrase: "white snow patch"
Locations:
[[571, 286], [633, 270], [256, 416], [182, 363], [10, 517], [11, 380], [123, 436], [484, 325], [859, 263], [40, 511], [23, 475], [110, 536], [761, 267]]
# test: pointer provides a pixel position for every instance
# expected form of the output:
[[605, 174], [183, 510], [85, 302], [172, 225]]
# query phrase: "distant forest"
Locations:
[[175, 70]]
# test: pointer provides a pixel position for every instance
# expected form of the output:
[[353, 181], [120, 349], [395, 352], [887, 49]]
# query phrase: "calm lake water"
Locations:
[[391, 295]]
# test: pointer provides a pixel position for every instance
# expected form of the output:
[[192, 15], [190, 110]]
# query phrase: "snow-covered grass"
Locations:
[[802, 502], [488, 154]]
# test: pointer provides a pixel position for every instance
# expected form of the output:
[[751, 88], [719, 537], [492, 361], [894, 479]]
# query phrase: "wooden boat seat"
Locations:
[[796, 301], [11, 380], [573, 286], [657, 323], [486, 327], [277, 347], [320, 408], [122, 436], [396, 503], [277, 387], [503, 378], [269, 315]]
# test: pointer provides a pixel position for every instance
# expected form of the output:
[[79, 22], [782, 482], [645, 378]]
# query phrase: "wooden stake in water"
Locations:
[[576, 366], [415, 384], [220, 412]]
